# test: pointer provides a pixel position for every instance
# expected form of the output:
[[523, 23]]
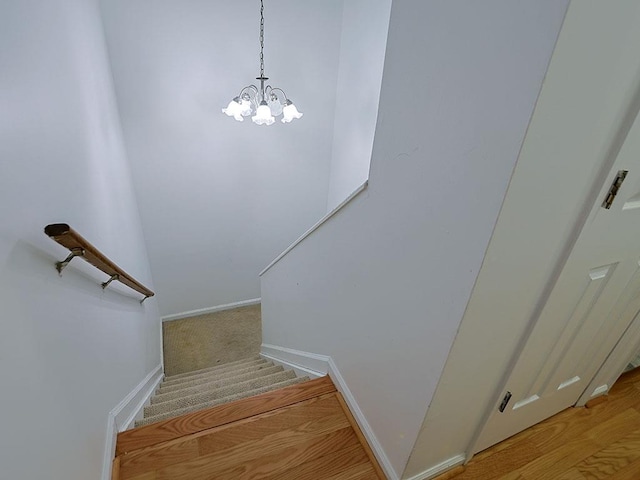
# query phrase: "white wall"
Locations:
[[69, 352], [220, 199], [362, 45], [383, 285]]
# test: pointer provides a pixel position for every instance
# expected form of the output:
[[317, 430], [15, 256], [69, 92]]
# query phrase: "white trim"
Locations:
[[125, 413], [320, 365], [341, 384], [355, 193], [303, 363], [217, 308], [601, 390], [439, 468]]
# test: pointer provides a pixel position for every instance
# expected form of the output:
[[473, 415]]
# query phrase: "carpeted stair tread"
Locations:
[[214, 384], [249, 393], [214, 368], [212, 377], [210, 395], [201, 374]]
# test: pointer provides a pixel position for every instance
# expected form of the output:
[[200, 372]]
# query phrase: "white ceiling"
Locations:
[[219, 199]]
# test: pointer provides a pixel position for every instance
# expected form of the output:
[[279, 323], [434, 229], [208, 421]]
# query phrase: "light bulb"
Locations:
[[275, 106], [263, 115], [245, 106], [234, 109], [289, 112]]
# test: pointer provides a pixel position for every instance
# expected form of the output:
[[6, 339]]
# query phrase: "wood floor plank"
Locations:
[[156, 457], [326, 465], [306, 416], [571, 474], [173, 428], [255, 459], [225, 436], [145, 476], [611, 459], [359, 472], [512, 458], [630, 472]]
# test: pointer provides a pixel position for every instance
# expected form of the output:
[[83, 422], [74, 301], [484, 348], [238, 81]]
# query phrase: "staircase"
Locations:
[[189, 392]]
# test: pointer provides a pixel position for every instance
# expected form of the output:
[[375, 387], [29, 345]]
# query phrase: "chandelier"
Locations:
[[266, 102]]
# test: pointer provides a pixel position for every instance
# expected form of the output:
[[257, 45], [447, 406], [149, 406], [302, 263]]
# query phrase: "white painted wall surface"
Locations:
[[220, 199], [69, 352], [382, 286], [363, 42]]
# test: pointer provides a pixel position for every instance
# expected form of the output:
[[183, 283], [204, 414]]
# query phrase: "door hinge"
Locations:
[[613, 190], [505, 401]]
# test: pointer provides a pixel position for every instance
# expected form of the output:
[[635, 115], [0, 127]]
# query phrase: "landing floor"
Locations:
[[300, 432], [602, 442]]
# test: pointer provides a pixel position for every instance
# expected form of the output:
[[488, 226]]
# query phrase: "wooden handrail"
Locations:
[[80, 247]]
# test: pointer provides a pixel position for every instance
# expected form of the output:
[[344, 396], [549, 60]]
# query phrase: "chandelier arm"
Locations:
[[273, 89], [253, 88]]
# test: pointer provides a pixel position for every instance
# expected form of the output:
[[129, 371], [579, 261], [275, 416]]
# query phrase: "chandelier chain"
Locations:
[[262, 38]]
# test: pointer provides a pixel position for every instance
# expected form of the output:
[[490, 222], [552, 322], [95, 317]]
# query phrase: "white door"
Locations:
[[595, 298]]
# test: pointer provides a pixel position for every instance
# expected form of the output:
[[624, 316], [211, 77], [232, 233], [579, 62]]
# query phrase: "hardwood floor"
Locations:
[[601, 442], [296, 433]]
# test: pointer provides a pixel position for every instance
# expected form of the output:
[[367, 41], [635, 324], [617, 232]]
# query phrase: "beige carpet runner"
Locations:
[[188, 392]]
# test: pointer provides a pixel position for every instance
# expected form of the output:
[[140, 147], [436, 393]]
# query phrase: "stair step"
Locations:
[[214, 368], [214, 384], [201, 374], [219, 401], [200, 398], [212, 377]]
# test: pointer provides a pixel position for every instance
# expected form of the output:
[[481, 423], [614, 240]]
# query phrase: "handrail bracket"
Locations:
[[75, 252], [113, 277]]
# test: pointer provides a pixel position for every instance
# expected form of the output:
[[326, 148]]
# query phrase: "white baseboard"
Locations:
[[303, 363], [217, 308], [439, 468], [124, 414], [341, 384], [316, 365]]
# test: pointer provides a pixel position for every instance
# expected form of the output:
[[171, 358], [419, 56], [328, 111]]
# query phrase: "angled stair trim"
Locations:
[[323, 220], [313, 362], [123, 415]]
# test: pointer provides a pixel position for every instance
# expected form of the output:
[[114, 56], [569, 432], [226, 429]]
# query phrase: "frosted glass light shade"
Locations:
[[245, 108], [234, 109], [289, 112], [275, 106], [263, 115]]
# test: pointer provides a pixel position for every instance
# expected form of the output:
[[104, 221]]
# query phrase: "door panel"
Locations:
[[592, 302]]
